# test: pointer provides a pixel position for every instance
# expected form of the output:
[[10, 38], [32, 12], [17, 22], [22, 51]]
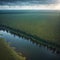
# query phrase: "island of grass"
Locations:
[[6, 53]]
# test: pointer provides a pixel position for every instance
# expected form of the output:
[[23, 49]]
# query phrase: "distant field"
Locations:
[[44, 25], [6, 53]]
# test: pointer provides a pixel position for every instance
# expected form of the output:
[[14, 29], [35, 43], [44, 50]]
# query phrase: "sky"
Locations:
[[29, 4]]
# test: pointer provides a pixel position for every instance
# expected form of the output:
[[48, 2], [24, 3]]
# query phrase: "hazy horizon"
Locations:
[[29, 4]]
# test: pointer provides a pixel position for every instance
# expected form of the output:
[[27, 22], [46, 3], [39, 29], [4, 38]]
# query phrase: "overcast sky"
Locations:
[[30, 4]]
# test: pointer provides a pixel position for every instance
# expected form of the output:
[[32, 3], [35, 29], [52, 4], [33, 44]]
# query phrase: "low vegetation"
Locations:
[[6, 53], [44, 25]]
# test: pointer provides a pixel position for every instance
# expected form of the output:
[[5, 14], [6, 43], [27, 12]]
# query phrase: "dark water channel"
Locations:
[[28, 48]]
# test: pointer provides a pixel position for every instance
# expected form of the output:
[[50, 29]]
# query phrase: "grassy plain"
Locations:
[[43, 25]]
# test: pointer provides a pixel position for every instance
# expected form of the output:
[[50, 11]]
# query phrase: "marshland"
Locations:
[[32, 34]]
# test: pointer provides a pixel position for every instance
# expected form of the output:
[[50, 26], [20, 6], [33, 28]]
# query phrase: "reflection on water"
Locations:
[[32, 50]]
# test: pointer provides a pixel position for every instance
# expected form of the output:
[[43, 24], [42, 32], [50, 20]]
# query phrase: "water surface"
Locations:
[[31, 50]]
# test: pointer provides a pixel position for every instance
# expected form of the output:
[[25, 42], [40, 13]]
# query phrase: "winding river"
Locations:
[[28, 48]]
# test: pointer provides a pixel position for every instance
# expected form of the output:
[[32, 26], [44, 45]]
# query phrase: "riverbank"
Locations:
[[33, 38], [6, 53]]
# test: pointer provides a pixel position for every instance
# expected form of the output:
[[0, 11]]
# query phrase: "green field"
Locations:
[[6, 53], [43, 25]]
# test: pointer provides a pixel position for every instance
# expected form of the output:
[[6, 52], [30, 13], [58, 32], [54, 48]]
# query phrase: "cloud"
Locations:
[[28, 1], [30, 5], [33, 7]]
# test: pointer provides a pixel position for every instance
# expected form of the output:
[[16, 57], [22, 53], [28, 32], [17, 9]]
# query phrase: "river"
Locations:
[[28, 48]]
